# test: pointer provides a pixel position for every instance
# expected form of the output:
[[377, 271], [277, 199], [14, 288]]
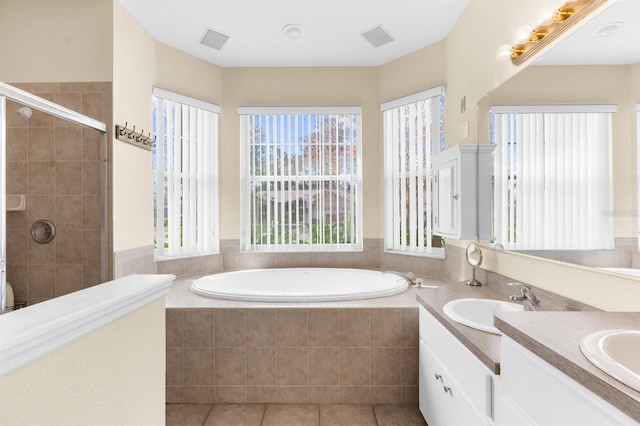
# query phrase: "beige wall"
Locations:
[[113, 376], [134, 73], [44, 41]]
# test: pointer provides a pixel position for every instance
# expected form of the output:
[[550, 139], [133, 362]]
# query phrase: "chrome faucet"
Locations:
[[526, 294], [413, 280]]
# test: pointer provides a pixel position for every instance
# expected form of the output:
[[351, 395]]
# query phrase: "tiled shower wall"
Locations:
[[57, 165], [316, 355]]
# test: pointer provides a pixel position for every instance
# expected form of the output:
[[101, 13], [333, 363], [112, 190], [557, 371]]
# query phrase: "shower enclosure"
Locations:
[[93, 175]]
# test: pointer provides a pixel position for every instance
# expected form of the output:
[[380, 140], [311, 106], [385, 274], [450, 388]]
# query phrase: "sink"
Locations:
[[478, 313], [616, 353]]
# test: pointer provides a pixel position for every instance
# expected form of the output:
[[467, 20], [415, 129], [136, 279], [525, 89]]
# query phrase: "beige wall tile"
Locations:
[[40, 207], [386, 394], [68, 178], [410, 366], [68, 246], [175, 267], [292, 328], [17, 144], [355, 395], [323, 327], [261, 327], [354, 327], [91, 217], [68, 212], [230, 366], [262, 394], [41, 278], [292, 366], [198, 328], [17, 177], [324, 366], [199, 395], [385, 368], [324, 394], [175, 366], [174, 328], [410, 395], [68, 279], [174, 394], [231, 394], [261, 366], [91, 145], [230, 328], [91, 274], [410, 327], [292, 395], [354, 366], [39, 254], [90, 178], [386, 327], [17, 246], [198, 366], [69, 100], [92, 105], [68, 144], [203, 264], [90, 247]]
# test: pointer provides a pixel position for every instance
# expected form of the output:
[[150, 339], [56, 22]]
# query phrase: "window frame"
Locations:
[[392, 231], [245, 178], [206, 237]]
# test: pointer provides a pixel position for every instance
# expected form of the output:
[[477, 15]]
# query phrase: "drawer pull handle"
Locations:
[[448, 389], [439, 377]]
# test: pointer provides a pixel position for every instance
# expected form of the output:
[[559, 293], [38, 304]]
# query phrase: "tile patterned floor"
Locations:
[[292, 415]]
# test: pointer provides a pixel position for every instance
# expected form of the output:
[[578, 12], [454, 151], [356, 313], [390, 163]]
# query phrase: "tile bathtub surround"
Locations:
[[56, 164], [315, 355]]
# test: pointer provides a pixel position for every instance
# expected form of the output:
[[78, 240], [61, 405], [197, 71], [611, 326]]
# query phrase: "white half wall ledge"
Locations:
[[30, 333]]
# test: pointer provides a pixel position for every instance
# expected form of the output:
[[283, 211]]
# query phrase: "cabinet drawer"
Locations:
[[547, 395], [442, 401], [475, 379]]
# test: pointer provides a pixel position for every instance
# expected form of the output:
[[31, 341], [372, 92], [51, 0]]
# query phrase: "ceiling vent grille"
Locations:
[[214, 39], [377, 37]]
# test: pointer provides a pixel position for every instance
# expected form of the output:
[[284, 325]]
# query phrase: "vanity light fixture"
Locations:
[[528, 43]]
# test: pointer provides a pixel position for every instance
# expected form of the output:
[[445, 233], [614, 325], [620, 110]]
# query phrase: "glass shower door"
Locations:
[[3, 201]]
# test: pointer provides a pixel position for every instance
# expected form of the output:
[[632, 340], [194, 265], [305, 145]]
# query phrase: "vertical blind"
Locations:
[[553, 177], [301, 178], [185, 175], [413, 131]]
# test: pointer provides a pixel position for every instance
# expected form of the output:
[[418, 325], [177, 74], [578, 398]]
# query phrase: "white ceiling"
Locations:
[[332, 28], [585, 47]]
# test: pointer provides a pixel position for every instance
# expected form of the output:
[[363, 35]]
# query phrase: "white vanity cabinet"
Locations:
[[455, 387], [533, 392], [462, 192]]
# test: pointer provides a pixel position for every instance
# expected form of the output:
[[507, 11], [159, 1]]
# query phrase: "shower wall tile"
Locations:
[[68, 178], [17, 173], [68, 279], [68, 212], [68, 144], [41, 178], [17, 144]]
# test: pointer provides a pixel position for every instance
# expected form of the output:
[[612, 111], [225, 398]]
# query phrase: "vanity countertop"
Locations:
[[485, 346], [555, 337]]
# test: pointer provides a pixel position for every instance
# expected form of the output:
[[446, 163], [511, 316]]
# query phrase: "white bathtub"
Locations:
[[625, 271], [299, 285]]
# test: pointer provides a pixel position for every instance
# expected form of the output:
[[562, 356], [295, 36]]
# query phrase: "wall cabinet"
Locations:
[[462, 192], [533, 392], [455, 387]]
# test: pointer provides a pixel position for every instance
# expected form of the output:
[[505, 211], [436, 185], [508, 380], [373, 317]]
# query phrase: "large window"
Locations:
[[185, 173], [413, 133], [553, 177], [301, 179]]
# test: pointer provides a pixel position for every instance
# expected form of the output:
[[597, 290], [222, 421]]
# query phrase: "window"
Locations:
[[185, 173], [553, 177], [301, 179], [413, 132]]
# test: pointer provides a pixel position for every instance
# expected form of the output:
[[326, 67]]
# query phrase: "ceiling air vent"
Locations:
[[214, 39], [377, 37]]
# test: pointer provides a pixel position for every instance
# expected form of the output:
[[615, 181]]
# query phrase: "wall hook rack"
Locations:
[[124, 134]]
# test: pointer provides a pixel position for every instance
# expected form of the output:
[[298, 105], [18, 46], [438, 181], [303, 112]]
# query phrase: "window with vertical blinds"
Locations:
[[413, 133], [301, 178], [185, 174], [553, 177]]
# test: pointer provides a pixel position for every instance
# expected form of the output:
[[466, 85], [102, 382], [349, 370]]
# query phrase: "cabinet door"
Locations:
[[442, 401], [446, 212]]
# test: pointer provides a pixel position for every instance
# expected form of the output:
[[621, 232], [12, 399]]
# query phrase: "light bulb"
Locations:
[[545, 15], [522, 34], [503, 52]]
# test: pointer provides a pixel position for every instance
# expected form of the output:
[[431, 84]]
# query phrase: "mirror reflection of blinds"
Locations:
[[553, 175]]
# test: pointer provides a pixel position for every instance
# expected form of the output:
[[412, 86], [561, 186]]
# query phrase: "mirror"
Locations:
[[474, 258], [597, 64]]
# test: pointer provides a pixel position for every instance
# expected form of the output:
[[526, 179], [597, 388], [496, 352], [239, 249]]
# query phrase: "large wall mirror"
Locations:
[[596, 69]]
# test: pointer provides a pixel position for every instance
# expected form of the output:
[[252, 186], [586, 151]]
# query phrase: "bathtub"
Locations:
[[299, 285], [625, 271]]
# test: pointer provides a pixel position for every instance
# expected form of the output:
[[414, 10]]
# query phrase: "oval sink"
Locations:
[[478, 313], [616, 353]]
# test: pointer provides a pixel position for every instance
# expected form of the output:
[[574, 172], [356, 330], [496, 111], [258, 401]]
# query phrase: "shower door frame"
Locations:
[[27, 99]]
